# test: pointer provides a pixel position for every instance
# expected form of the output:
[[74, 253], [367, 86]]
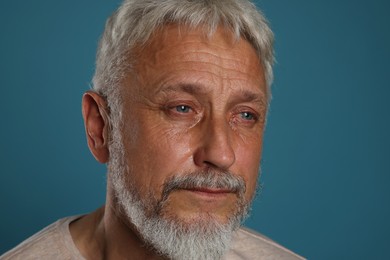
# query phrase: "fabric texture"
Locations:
[[55, 242]]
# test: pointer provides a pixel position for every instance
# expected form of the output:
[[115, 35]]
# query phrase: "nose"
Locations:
[[215, 145]]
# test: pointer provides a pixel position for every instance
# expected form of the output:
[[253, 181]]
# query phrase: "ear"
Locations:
[[95, 114]]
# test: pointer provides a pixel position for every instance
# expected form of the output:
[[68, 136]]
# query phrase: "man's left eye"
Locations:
[[247, 116], [183, 109]]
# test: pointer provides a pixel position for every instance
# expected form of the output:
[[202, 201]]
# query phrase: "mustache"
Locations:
[[209, 179]]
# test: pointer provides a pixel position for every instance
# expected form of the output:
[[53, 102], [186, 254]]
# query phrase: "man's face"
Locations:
[[193, 105]]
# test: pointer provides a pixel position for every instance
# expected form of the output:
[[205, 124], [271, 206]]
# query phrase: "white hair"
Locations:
[[135, 20]]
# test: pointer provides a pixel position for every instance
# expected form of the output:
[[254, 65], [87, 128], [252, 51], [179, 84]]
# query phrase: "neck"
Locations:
[[107, 234]]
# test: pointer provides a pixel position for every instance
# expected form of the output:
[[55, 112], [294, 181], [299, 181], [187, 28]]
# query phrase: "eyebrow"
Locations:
[[185, 87], [194, 89], [250, 96]]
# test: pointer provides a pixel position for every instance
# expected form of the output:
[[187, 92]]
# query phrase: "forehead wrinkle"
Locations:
[[230, 73], [189, 49], [225, 61], [169, 59]]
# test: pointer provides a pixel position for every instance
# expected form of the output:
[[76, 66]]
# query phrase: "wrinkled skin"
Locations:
[[195, 104]]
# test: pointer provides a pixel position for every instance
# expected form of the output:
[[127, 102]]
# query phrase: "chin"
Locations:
[[202, 218]]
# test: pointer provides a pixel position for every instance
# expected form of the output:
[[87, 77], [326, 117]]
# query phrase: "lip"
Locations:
[[209, 192], [206, 199]]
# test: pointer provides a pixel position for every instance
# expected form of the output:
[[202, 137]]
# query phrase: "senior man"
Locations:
[[177, 111]]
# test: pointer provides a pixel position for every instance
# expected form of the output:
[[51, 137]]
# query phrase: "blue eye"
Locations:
[[183, 109], [247, 116]]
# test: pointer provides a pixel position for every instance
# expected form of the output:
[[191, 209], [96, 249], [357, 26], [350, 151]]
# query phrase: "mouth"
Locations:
[[210, 192], [196, 202], [208, 187]]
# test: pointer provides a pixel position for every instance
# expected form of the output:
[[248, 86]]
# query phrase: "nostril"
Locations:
[[215, 155]]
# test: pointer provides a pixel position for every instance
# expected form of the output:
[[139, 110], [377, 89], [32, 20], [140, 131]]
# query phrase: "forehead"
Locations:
[[178, 49]]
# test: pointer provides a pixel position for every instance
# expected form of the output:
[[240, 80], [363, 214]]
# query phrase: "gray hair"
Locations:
[[135, 20]]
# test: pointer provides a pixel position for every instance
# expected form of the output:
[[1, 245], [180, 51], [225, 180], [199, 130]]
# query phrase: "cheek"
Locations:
[[155, 152], [166, 147], [248, 157]]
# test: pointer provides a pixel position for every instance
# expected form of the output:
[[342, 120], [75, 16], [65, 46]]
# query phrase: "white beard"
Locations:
[[169, 236]]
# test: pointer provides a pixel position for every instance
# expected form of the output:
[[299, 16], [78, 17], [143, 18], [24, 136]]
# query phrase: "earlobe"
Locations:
[[95, 114]]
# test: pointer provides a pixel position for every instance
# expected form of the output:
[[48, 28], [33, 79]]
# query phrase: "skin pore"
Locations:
[[196, 104]]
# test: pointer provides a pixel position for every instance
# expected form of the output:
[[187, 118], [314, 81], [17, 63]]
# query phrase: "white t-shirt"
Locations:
[[55, 242]]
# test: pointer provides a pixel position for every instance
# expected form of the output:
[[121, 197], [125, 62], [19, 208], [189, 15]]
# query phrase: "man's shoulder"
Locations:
[[49, 243], [248, 244]]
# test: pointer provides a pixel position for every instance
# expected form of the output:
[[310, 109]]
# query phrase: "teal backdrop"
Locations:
[[326, 174]]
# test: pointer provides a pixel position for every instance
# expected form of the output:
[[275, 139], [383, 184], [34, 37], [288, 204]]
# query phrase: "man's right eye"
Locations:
[[183, 109]]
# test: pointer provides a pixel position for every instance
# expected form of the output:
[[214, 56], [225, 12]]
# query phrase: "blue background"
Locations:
[[326, 173]]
